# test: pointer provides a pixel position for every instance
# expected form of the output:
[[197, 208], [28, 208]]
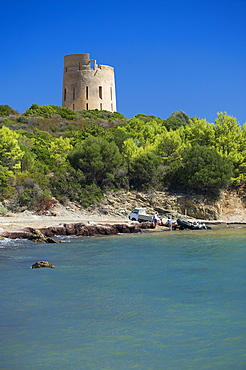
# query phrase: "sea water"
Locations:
[[172, 300]]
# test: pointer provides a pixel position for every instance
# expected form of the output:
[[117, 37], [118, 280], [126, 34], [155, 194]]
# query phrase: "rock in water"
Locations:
[[40, 264], [38, 236]]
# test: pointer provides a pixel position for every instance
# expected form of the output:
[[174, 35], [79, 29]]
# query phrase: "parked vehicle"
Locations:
[[139, 214]]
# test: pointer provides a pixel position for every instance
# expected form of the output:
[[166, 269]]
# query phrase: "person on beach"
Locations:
[[170, 223], [156, 218]]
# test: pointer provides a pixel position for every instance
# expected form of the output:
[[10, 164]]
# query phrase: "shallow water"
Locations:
[[170, 300]]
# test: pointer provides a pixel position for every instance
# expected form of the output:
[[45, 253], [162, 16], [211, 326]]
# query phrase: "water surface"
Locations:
[[170, 300]]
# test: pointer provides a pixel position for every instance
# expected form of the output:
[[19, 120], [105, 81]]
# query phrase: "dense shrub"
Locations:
[[145, 171], [204, 170], [3, 211], [49, 110], [176, 120], [6, 110], [102, 114], [98, 159], [69, 184], [6, 183], [52, 151]]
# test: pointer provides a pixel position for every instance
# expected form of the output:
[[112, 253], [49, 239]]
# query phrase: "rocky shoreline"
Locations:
[[110, 215], [46, 234]]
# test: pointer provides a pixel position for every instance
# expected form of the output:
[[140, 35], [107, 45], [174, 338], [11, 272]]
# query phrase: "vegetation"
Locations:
[[6, 110], [51, 152]]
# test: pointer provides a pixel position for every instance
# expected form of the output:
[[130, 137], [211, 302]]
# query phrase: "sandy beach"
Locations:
[[20, 221]]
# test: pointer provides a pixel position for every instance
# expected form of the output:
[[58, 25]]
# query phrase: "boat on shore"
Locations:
[[192, 226]]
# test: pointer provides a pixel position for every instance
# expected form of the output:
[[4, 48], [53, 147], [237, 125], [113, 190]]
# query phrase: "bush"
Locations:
[[176, 120], [44, 205], [98, 159], [204, 169], [3, 211], [145, 171], [7, 121], [48, 111], [6, 182], [70, 185], [102, 114], [6, 110], [23, 119]]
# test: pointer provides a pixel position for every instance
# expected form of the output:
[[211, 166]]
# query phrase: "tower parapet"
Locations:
[[87, 85]]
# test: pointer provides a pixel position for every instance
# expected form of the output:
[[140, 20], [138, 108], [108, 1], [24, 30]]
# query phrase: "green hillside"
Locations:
[[51, 153]]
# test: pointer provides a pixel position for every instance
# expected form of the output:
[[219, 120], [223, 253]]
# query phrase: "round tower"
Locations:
[[87, 85]]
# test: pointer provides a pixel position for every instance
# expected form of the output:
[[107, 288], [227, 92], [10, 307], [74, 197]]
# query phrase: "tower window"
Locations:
[[112, 107], [87, 92], [87, 106], [101, 106], [65, 94], [73, 107], [111, 93], [100, 92], [73, 93]]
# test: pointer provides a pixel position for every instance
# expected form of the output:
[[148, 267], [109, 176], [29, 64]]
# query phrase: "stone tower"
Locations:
[[87, 85]]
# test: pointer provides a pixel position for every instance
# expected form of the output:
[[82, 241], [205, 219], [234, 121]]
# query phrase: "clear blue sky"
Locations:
[[170, 55]]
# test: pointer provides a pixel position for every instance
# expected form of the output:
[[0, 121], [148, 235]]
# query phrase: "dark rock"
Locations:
[[44, 235], [80, 229], [18, 234], [147, 225], [40, 264], [38, 236]]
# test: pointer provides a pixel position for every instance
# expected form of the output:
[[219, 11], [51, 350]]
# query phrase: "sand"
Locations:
[[18, 221]]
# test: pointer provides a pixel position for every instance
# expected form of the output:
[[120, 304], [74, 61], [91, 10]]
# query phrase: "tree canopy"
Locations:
[[53, 151], [204, 169], [6, 110]]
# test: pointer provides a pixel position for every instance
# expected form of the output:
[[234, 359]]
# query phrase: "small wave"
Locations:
[[5, 242], [67, 238], [8, 243]]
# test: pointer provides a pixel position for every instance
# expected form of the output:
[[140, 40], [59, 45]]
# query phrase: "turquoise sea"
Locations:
[[174, 300]]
